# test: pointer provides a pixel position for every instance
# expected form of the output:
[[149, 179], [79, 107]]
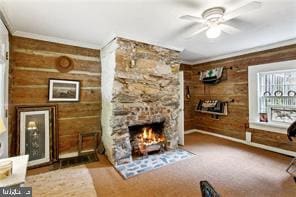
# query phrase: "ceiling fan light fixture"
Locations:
[[213, 15], [213, 32], [213, 19]]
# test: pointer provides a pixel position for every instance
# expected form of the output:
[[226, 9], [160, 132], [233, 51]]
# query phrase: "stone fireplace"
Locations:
[[140, 88]]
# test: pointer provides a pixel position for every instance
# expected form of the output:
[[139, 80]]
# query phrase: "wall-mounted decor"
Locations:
[[214, 107], [187, 95], [211, 76], [64, 64], [283, 115], [37, 134], [63, 90]]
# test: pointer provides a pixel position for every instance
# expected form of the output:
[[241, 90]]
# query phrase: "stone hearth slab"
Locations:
[[152, 162]]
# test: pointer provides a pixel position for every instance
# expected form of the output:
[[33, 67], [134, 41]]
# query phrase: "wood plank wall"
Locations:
[[32, 63], [235, 87]]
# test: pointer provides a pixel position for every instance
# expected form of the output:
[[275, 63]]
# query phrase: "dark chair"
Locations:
[[207, 190], [291, 133]]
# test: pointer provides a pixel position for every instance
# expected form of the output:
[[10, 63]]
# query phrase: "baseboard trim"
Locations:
[[265, 147], [190, 131]]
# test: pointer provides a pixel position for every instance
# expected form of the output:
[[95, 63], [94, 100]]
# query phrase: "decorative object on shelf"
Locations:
[[63, 90], [266, 93], [211, 76], [263, 117], [2, 130], [64, 64], [187, 95], [278, 93], [286, 115], [5, 169], [37, 134], [291, 93], [214, 107]]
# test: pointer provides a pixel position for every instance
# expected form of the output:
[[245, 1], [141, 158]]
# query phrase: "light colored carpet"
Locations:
[[233, 169], [75, 181]]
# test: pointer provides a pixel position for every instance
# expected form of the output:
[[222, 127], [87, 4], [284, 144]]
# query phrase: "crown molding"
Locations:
[[244, 52], [5, 19], [56, 40], [84, 44], [147, 41], [14, 32]]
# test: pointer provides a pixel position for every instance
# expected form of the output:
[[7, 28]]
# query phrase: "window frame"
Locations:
[[253, 81]]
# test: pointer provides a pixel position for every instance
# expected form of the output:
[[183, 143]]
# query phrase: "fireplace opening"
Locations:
[[148, 138]]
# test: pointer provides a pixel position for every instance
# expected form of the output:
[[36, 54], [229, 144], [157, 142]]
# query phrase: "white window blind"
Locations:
[[277, 95]]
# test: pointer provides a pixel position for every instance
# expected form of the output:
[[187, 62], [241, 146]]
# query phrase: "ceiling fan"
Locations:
[[213, 19]]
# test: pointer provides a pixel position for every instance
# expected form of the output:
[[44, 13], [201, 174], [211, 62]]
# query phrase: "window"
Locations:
[[277, 95], [272, 96]]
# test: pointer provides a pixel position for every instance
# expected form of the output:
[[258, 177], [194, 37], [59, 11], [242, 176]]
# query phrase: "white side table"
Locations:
[[19, 170]]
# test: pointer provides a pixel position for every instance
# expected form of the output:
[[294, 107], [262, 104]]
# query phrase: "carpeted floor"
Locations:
[[233, 169]]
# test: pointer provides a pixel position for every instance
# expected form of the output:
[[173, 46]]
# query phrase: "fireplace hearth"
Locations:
[[148, 138]]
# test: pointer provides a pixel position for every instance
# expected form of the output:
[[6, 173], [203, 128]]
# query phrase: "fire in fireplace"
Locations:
[[147, 138]]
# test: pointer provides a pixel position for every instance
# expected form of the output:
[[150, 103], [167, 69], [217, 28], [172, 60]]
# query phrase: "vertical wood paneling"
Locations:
[[32, 63], [234, 87]]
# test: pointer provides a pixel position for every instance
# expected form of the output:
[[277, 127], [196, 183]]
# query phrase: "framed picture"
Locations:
[[283, 115], [63, 90], [37, 134], [263, 117]]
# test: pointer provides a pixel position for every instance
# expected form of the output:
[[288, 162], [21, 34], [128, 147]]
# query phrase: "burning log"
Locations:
[[148, 141]]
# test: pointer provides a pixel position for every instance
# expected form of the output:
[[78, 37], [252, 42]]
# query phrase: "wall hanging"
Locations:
[[64, 64], [211, 76], [215, 107], [63, 90], [187, 95]]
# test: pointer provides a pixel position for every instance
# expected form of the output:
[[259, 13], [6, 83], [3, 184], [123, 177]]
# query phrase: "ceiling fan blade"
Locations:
[[197, 32], [242, 10], [229, 29], [192, 18]]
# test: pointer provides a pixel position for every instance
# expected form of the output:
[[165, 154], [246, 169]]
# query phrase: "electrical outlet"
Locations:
[[248, 136]]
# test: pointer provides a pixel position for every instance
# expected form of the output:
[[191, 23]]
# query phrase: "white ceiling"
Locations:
[[92, 23]]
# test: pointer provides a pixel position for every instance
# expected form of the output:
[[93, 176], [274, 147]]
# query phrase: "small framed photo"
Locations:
[[263, 117], [63, 90]]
